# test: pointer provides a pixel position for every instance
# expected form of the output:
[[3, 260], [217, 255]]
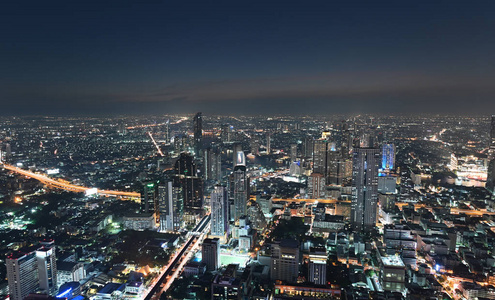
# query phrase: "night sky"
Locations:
[[247, 57]]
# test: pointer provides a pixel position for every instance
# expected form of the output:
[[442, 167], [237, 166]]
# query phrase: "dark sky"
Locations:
[[247, 57]]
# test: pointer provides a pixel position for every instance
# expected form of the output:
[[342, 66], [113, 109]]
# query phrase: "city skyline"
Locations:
[[257, 58]]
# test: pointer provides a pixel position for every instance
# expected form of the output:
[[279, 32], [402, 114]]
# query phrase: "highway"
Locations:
[[71, 187], [177, 262]]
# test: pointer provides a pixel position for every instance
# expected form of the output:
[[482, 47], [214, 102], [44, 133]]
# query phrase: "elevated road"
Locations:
[[64, 185], [177, 262]]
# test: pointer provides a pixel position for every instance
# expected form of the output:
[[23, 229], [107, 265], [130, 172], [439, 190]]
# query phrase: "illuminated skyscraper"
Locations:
[[149, 203], [22, 274], [47, 266], [240, 187], [219, 211], [388, 157], [492, 134], [365, 166], [198, 133], [285, 261], [317, 266], [210, 252], [490, 180], [171, 206]]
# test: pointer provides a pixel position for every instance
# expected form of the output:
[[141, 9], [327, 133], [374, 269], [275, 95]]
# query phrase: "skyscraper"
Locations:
[[171, 206], [22, 274], [191, 186], [364, 188], [198, 133], [492, 134], [317, 269], [388, 157], [219, 212], [47, 266], [210, 252], [149, 203], [240, 187], [490, 180], [285, 261]]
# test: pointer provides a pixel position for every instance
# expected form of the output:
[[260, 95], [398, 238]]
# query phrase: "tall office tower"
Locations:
[[212, 164], [492, 134], [268, 143], [240, 187], [320, 151], [185, 165], [284, 262], [192, 186], [490, 180], [210, 252], [335, 168], [255, 146], [317, 266], [198, 133], [316, 186], [219, 212], [236, 148], [293, 152], [364, 188], [307, 147], [171, 206], [22, 274], [388, 157], [149, 203], [226, 133], [167, 132], [47, 266]]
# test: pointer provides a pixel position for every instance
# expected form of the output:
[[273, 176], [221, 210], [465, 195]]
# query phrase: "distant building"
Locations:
[[364, 188], [285, 261], [198, 133], [210, 252]]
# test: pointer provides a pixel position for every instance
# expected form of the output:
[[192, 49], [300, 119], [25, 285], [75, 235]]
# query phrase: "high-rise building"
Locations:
[[191, 186], [198, 133], [210, 252], [293, 152], [219, 212], [171, 206], [365, 166], [317, 266], [284, 263], [32, 269], [388, 157], [240, 187], [149, 203], [268, 143], [320, 151], [226, 134], [47, 266], [492, 134], [490, 180], [22, 274], [316, 186], [212, 164]]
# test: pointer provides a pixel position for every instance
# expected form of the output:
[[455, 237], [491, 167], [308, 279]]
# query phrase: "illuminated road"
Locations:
[[177, 262], [156, 145], [64, 185]]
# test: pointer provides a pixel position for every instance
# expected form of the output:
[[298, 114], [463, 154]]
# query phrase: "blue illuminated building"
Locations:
[[388, 157]]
